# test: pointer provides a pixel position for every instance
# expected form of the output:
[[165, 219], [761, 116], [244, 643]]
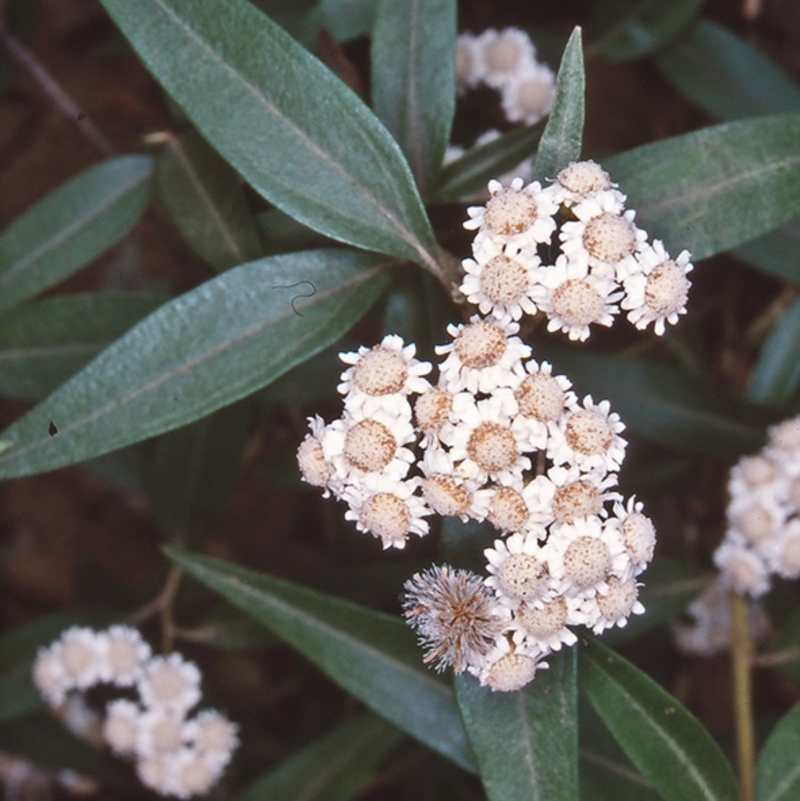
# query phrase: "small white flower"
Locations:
[[612, 605], [121, 726], [170, 683], [519, 570], [469, 64], [50, 676], [501, 55], [449, 493], [588, 437], [159, 732], [657, 291], [576, 299], [124, 654], [529, 95], [509, 666], [543, 624], [567, 495], [637, 531], [387, 508], [782, 553], [81, 653], [581, 179], [741, 569], [211, 733], [154, 772], [191, 773]]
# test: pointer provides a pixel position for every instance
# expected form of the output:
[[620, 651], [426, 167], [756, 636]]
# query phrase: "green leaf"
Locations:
[[18, 695], [561, 141], [713, 189], [666, 404], [371, 655], [778, 769], [413, 79], [204, 198], [333, 768], [71, 226], [526, 742], [472, 171], [203, 350], [775, 253], [345, 19], [724, 75], [666, 743], [44, 343], [776, 376], [638, 27], [293, 130]]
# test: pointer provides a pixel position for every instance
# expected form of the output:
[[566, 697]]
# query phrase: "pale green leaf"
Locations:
[[292, 129], [715, 188], [71, 226], [665, 742], [413, 79], [526, 742], [204, 350], [778, 768], [775, 378], [371, 655], [561, 141], [776, 252]]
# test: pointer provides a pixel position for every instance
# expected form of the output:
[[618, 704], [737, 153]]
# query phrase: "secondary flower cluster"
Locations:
[[175, 755], [505, 60], [497, 438], [573, 252], [763, 534]]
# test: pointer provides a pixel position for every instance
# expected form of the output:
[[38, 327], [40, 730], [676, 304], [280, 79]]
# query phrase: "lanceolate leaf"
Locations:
[[293, 130], [776, 377], [726, 76], [666, 404], [526, 742], [71, 226], [204, 350], [205, 200], [413, 79], [372, 655], [44, 343], [778, 769], [715, 188], [334, 768], [776, 252], [563, 134], [667, 744]]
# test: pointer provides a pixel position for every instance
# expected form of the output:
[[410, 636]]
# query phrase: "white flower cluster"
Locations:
[[571, 251], [498, 438], [175, 755], [505, 60], [763, 534]]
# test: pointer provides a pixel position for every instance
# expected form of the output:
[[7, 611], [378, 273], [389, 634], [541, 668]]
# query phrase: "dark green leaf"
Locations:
[[18, 695], [561, 141], [345, 19], [666, 404], [724, 75], [413, 79], [666, 743], [713, 189], [293, 130], [283, 234], [776, 376], [776, 252], [333, 768], [526, 742], [44, 343], [71, 226], [227, 628], [204, 198], [638, 27], [778, 769], [203, 350], [372, 655], [472, 171]]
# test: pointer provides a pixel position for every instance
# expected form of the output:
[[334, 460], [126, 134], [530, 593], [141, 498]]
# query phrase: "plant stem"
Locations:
[[741, 656]]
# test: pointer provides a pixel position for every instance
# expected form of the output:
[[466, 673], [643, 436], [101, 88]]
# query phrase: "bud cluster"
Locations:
[[763, 533], [573, 252], [175, 755], [500, 438]]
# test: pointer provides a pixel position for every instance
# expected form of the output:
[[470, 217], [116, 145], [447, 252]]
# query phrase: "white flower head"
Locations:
[[481, 357], [509, 666], [529, 95], [589, 438], [387, 508], [637, 531], [469, 64], [783, 444], [314, 467], [741, 569], [170, 683], [154, 772], [612, 605], [783, 552], [522, 215], [50, 676], [657, 291], [519, 570], [192, 772], [449, 493], [576, 299], [454, 615], [124, 655], [580, 179], [382, 377], [211, 733], [159, 732], [504, 283], [121, 726], [503, 54], [431, 411], [577, 495], [543, 624], [80, 650], [508, 511]]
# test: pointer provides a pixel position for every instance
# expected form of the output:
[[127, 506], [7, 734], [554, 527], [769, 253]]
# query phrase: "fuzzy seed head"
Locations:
[[509, 212], [587, 561], [480, 344], [609, 237], [369, 445], [577, 302]]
